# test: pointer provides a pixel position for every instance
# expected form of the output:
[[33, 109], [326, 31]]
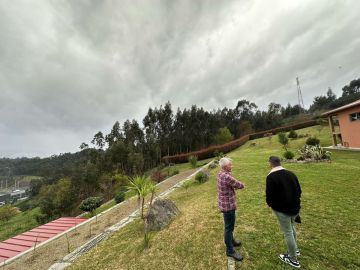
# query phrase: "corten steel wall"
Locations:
[[227, 147], [350, 131]]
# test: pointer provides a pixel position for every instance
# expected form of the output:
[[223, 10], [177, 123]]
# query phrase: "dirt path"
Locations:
[[45, 256]]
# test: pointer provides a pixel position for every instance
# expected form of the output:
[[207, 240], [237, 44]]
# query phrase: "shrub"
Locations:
[[90, 204], [158, 176], [288, 155], [193, 161], [292, 134], [186, 185], [303, 135], [201, 177], [218, 154], [283, 139], [212, 165], [313, 152], [120, 196], [175, 172], [7, 212], [313, 141]]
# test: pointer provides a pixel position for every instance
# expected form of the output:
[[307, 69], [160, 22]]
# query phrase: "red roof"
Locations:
[[22, 242]]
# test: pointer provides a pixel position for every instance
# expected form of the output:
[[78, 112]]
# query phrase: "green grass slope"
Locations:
[[328, 237], [18, 224]]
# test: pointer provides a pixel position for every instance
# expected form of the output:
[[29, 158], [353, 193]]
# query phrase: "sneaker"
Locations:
[[298, 253], [236, 256], [287, 259], [236, 243]]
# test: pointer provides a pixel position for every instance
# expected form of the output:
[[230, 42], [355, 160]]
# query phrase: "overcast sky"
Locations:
[[71, 68]]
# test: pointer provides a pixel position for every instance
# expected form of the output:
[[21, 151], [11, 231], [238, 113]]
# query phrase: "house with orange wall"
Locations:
[[348, 117]]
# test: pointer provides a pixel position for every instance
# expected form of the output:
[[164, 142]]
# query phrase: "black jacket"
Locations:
[[283, 192]]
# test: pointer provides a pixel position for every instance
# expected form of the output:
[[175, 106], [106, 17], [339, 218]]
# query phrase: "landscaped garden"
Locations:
[[328, 236]]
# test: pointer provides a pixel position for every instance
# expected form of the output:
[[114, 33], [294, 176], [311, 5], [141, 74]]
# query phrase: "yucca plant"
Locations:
[[142, 186], [314, 152]]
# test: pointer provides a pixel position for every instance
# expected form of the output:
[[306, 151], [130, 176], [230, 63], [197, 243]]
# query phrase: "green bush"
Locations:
[[175, 172], [7, 212], [213, 165], [90, 204], [120, 196], [202, 177], [313, 141], [193, 161], [288, 155], [292, 134], [283, 139], [218, 155]]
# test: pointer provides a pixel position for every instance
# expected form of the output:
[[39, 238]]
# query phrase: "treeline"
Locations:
[[131, 148]]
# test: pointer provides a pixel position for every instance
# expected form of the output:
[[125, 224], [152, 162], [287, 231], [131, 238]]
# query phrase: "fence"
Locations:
[[227, 147]]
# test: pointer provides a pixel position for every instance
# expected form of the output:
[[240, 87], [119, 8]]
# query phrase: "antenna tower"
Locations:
[[300, 99]]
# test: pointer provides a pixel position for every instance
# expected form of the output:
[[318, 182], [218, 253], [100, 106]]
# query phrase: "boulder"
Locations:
[[161, 213]]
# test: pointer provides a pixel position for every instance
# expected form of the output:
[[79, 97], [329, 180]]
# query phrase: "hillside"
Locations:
[[328, 236]]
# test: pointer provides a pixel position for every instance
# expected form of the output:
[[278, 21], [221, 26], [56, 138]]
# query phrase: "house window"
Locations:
[[354, 116]]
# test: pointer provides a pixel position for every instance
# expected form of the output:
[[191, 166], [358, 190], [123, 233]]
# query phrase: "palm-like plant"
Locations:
[[142, 186]]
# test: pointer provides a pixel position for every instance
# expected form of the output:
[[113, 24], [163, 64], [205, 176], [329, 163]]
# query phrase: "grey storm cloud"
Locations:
[[71, 68]]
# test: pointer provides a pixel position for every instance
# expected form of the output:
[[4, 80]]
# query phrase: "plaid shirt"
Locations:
[[226, 185]]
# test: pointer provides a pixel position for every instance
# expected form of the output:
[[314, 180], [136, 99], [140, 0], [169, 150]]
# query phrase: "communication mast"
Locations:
[[300, 99]]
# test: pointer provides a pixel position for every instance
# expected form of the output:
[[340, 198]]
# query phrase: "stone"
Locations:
[[160, 215]]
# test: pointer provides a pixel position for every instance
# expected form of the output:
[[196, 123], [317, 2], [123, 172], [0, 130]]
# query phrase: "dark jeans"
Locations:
[[229, 223]]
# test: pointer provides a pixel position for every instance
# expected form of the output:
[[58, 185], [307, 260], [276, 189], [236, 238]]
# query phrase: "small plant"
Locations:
[[288, 155], [67, 243], [313, 141], [186, 185], [175, 172], [158, 176], [193, 161], [218, 155], [120, 196], [212, 165], [90, 230], [146, 242], [292, 134], [283, 139], [202, 177]]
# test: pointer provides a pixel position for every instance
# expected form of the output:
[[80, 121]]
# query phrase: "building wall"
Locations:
[[350, 131]]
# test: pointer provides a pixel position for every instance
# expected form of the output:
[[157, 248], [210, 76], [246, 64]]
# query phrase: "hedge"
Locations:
[[227, 147]]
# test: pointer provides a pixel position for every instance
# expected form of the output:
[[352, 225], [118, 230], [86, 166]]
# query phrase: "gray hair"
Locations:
[[224, 162]]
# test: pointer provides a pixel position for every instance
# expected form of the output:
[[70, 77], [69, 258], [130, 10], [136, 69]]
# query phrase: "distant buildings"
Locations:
[[349, 122], [7, 197]]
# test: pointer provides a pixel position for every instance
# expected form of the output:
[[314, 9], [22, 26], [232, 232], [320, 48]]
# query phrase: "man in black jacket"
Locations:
[[283, 194]]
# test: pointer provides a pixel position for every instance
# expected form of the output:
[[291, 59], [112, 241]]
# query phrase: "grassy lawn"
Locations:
[[182, 167], [20, 223], [328, 237]]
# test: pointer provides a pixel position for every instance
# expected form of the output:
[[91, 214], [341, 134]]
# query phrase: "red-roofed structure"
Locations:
[[22, 242]]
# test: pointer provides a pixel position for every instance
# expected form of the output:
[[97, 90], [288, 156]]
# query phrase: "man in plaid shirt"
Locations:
[[226, 185]]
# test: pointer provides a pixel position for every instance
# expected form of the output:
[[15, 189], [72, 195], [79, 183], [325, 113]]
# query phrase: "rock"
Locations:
[[160, 215]]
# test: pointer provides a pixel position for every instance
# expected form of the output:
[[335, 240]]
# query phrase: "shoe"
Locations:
[[287, 259], [298, 253], [236, 243], [236, 256]]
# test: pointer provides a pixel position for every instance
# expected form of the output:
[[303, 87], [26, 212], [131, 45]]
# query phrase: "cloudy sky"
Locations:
[[71, 68]]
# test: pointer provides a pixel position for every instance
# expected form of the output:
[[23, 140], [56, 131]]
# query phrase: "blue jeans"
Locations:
[[287, 226], [229, 223]]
